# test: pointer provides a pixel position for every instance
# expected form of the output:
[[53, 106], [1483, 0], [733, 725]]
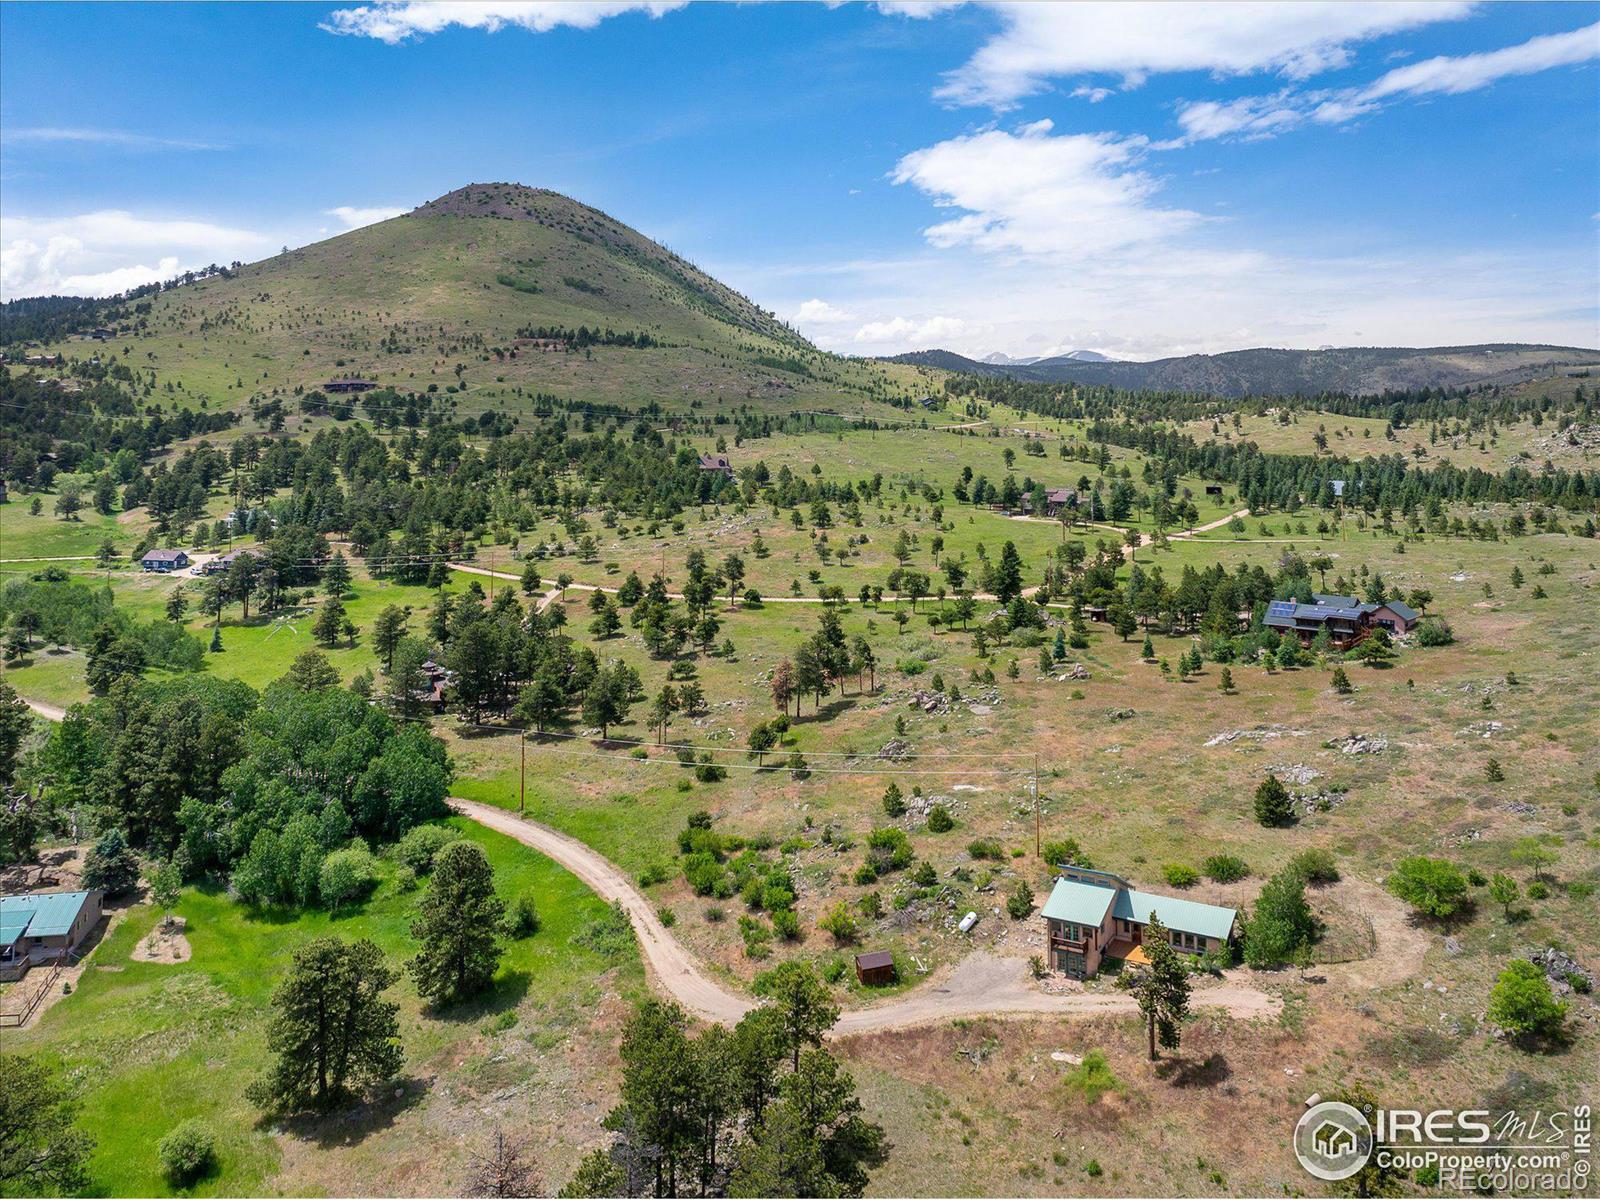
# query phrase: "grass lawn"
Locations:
[[150, 1045]]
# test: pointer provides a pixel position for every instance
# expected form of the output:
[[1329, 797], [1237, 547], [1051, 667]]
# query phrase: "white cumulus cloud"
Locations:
[[820, 312], [355, 218], [1039, 42], [109, 251], [1038, 193], [898, 334], [395, 21]]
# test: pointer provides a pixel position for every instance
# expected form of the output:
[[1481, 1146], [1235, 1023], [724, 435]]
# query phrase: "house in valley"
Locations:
[[223, 561], [1094, 915], [1348, 619], [1058, 498], [164, 561]]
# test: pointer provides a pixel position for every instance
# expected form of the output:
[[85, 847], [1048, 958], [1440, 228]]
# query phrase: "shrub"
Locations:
[[1092, 1078], [1279, 929], [710, 773], [940, 820], [347, 875], [1180, 875], [889, 849], [421, 845], [1522, 1004], [653, 874], [840, 922], [1316, 866], [757, 937], [1434, 887], [666, 916], [1020, 903], [1435, 631], [833, 969], [786, 924], [1225, 868], [405, 879], [986, 848], [1065, 851], [188, 1153], [924, 875], [522, 917]]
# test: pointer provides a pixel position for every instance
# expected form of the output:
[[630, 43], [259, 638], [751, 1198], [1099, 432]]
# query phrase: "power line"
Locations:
[[774, 766]]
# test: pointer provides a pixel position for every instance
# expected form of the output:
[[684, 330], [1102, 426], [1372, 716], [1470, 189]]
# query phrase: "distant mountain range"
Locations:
[[1005, 360], [1355, 370]]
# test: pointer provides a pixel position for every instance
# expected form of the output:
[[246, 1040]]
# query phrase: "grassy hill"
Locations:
[[439, 297]]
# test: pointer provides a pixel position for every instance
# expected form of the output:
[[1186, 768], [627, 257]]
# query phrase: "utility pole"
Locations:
[[1038, 850], [491, 578], [522, 796]]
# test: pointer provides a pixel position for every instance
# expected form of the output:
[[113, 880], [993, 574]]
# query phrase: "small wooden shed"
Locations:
[[875, 968]]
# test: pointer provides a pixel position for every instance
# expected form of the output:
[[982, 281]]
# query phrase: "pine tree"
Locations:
[[1341, 682], [1161, 988], [387, 632], [894, 803], [330, 622], [331, 1029], [458, 926], [1273, 806], [336, 576]]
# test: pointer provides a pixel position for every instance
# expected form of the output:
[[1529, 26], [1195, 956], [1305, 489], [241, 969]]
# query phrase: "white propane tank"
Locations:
[[967, 922]]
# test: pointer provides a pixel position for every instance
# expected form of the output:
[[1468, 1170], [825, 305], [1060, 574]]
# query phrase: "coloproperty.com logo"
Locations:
[[1539, 1152]]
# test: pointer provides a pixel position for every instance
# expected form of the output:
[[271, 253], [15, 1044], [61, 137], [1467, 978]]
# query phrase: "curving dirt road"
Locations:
[[982, 984], [679, 972], [50, 712], [549, 597]]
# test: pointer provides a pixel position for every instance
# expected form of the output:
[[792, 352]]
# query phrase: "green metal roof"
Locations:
[[46, 914], [1086, 904], [1190, 916], [1080, 903]]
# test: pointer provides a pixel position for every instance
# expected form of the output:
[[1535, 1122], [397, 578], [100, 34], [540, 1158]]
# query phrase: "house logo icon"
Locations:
[[1333, 1141]]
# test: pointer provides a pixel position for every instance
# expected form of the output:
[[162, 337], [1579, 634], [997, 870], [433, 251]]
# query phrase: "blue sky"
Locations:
[[1137, 179]]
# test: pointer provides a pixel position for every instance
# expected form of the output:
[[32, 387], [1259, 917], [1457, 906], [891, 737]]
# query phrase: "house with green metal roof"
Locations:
[[1094, 915], [42, 927]]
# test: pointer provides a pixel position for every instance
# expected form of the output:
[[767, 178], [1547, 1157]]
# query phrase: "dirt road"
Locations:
[[49, 712], [982, 984], [550, 597], [677, 970]]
